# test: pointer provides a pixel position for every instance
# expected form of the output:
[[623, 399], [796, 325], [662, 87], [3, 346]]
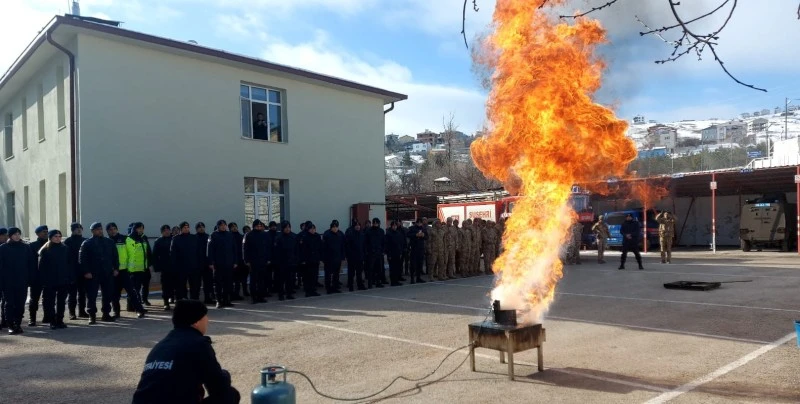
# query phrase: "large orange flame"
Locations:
[[545, 134]]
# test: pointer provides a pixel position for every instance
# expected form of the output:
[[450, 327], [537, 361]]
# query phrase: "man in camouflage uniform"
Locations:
[[437, 238], [489, 244], [600, 230], [465, 243], [574, 244], [666, 232], [428, 257], [476, 246], [450, 247]]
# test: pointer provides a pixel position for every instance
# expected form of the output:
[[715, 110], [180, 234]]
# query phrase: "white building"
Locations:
[[418, 147], [106, 124]]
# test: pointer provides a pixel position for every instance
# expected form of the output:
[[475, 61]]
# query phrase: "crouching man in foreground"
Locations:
[[183, 363]]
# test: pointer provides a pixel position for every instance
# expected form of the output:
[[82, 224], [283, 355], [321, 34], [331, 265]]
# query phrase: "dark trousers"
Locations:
[[223, 279], [208, 284], [15, 304], [55, 300], [240, 277], [310, 273], [258, 285], [180, 286], [284, 279], [77, 295], [36, 294], [140, 282], [3, 317], [634, 248], [144, 288], [355, 269], [395, 268], [375, 269], [332, 268], [169, 285], [107, 287], [406, 263], [417, 258], [123, 281], [194, 285]]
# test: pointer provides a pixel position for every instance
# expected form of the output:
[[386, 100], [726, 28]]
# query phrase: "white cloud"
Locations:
[[427, 103]]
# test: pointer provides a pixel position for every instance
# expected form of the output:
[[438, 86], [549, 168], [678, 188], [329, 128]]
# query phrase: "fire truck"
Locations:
[[494, 210]]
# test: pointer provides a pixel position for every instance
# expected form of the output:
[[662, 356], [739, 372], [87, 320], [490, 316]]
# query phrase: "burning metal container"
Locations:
[[505, 335]]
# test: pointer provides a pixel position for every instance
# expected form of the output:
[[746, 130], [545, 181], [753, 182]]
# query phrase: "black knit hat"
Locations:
[[335, 223], [53, 233], [273, 223], [376, 220], [257, 222], [110, 225], [14, 230], [183, 224], [3, 231], [284, 224], [199, 225], [188, 312], [40, 229], [165, 227], [220, 222], [96, 225]]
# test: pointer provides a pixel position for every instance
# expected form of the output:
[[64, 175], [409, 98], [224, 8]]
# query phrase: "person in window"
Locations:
[[183, 365], [260, 128]]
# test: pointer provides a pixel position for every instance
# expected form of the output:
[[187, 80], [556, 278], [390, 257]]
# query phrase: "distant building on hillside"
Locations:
[[757, 113], [405, 139], [746, 115], [764, 112], [418, 147], [733, 131], [759, 124], [639, 120], [710, 134], [662, 136], [778, 110], [392, 138], [428, 137]]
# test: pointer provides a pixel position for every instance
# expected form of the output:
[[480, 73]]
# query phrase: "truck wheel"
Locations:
[[785, 244], [746, 245]]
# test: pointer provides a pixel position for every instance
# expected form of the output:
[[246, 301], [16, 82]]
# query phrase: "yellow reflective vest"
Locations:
[[137, 254]]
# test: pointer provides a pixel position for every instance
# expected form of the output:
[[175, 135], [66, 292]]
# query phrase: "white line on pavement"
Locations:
[[638, 327], [658, 272], [667, 396], [445, 348]]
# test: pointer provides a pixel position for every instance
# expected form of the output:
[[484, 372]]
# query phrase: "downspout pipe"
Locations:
[[72, 126], [389, 110]]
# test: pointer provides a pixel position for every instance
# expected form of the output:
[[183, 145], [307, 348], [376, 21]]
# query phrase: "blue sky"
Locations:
[[415, 47]]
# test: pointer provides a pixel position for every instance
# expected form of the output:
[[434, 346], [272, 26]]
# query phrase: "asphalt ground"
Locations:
[[612, 337]]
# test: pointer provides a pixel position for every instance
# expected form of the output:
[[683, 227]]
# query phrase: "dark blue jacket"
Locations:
[[286, 249], [74, 244], [177, 369], [98, 256], [417, 244], [633, 229], [183, 253], [55, 269], [257, 248], [354, 244], [222, 250], [333, 249], [33, 275], [395, 241], [310, 248], [202, 244], [375, 240], [16, 263], [161, 259]]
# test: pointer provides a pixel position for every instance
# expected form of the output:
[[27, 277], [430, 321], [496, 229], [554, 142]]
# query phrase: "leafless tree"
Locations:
[[687, 40]]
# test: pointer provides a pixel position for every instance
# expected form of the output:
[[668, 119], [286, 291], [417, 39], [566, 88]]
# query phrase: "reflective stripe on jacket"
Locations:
[[136, 254]]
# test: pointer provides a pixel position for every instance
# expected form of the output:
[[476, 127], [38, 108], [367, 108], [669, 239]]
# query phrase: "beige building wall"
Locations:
[[160, 140], [40, 150]]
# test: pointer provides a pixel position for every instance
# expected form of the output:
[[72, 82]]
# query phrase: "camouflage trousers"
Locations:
[[461, 259], [475, 263], [450, 262], [488, 260], [665, 241], [436, 264], [573, 253]]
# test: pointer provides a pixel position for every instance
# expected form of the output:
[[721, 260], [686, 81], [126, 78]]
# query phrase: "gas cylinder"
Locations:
[[271, 390]]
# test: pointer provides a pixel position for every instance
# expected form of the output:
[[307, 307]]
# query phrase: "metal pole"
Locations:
[[797, 223], [714, 214], [644, 215]]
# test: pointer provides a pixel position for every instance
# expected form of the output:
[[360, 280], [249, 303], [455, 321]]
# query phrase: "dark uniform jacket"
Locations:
[[222, 251], [238, 240], [16, 262], [257, 248], [55, 268], [333, 249], [98, 256], [286, 253], [202, 244], [177, 369], [183, 253], [375, 240], [310, 248], [395, 241], [633, 229], [161, 258], [33, 275], [74, 243], [417, 244], [354, 244]]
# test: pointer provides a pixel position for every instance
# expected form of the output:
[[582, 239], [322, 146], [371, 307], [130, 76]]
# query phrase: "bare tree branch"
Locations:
[[583, 14]]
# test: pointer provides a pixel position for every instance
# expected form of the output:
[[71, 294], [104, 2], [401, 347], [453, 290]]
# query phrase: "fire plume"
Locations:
[[545, 134]]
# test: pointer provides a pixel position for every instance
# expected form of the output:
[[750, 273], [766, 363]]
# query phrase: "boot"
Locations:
[[53, 326], [621, 267], [166, 305], [32, 322], [640, 265], [61, 325], [15, 330], [669, 257], [83, 314], [92, 319], [663, 257], [72, 315], [107, 319]]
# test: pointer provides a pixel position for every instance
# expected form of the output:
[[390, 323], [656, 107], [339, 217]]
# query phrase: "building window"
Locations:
[[25, 211], [42, 202], [40, 112], [62, 119], [24, 123], [11, 210], [262, 113], [8, 136], [264, 199]]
